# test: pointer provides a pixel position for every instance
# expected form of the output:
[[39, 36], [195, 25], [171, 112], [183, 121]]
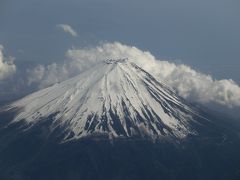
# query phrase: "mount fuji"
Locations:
[[114, 98], [114, 121]]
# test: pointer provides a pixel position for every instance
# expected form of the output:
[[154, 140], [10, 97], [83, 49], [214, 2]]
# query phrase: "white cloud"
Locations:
[[187, 82], [68, 29], [45, 76], [7, 67]]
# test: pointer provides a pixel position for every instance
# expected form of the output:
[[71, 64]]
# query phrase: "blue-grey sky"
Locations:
[[203, 34]]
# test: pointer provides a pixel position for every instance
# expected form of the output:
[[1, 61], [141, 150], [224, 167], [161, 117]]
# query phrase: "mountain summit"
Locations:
[[115, 98]]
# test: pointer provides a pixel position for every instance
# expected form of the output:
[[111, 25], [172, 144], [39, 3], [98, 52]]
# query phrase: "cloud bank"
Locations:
[[68, 29], [7, 67], [187, 82]]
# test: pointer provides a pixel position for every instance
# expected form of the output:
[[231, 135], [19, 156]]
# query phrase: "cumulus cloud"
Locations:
[[7, 66], [187, 82], [68, 29]]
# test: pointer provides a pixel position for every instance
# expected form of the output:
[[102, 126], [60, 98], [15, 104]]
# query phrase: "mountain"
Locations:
[[116, 98], [114, 121]]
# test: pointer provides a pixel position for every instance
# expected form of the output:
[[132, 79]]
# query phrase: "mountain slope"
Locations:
[[56, 133], [114, 98]]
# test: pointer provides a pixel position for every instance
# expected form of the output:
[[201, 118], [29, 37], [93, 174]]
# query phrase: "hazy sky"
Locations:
[[203, 34]]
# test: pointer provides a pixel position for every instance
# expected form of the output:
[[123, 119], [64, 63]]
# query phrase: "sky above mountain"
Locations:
[[36, 38]]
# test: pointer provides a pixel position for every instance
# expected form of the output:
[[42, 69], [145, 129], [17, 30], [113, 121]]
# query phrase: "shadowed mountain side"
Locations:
[[38, 154]]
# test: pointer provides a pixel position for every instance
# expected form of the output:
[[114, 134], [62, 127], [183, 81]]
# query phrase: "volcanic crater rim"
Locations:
[[116, 61]]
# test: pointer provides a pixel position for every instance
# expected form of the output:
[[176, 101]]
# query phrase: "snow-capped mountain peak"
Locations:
[[114, 98]]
